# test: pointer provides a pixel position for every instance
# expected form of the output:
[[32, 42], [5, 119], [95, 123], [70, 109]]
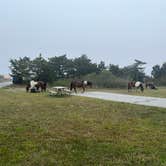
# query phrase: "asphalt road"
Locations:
[[140, 100]]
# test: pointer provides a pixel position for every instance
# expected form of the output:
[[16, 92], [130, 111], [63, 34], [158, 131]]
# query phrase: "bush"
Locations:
[[106, 80], [103, 80], [160, 81], [62, 82]]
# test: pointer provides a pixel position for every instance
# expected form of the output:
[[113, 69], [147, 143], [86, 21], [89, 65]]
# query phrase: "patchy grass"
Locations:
[[36, 129], [160, 92]]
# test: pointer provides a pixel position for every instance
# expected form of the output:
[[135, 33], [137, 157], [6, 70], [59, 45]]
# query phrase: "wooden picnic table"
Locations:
[[59, 90]]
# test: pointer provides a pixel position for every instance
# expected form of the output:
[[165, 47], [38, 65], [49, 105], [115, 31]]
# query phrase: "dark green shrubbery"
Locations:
[[106, 80]]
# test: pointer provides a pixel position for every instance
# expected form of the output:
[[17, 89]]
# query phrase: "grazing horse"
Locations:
[[41, 85], [150, 86], [137, 85], [79, 84], [35, 86], [131, 85]]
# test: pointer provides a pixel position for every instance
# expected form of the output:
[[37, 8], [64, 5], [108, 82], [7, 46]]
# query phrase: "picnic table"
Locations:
[[59, 91]]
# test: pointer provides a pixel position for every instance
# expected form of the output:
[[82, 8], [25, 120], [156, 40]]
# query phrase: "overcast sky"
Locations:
[[115, 31]]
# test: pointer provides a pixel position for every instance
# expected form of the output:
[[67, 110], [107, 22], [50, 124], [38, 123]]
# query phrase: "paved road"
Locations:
[[3, 84], [141, 100]]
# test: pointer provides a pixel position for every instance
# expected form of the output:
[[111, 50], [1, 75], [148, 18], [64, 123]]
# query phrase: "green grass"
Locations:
[[36, 129], [161, 92]]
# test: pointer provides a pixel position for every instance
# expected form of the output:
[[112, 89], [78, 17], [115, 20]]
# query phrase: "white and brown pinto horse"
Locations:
[[80, 84], [36, 86], [135, 85]]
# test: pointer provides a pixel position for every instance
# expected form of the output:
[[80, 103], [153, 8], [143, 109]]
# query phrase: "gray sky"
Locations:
[[116, 31]]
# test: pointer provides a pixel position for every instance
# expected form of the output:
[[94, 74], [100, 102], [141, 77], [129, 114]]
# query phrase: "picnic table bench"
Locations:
[[59, 91]]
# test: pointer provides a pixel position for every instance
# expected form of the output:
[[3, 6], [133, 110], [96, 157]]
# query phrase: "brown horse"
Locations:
[[38, 86], [131, 85], [79, 84], [41, 85], [150, 86]]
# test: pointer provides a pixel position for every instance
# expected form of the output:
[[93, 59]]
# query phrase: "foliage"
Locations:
[[101, 66], [41, 69], [20, 69], [106, 79], [159, 74], [61, 67], [62, 82], [115, 70], [133, 72], [53, 69], [83, 65]]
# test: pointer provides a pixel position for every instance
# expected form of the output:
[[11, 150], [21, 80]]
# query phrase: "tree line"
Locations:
[[51, 69], [60, 67]]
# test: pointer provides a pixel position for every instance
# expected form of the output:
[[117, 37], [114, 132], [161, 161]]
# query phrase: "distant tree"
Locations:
[[61, 67], [159, 74], [20, 70], [101, 66], [40, 69], [115, 70], [163, 70], [70, 70], [83, 66], [156, 71], [135, 71]]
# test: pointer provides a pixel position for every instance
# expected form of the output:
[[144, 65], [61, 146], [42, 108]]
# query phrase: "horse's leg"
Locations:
[[45, 87], [71, 86], [83, 89], [128, 88], [142, 88], [135, 89], [27, 89], [42, 88], [75, 90]]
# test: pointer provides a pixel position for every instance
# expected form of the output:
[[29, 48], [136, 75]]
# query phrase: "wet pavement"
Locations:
[[140, 100], [3, 84]]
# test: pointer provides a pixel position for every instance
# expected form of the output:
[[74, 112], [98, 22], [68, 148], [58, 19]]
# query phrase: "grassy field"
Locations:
[[36, 129], [161, 92]]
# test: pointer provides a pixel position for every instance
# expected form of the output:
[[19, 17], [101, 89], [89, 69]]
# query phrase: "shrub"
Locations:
[[106, 80], [62, 82]]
